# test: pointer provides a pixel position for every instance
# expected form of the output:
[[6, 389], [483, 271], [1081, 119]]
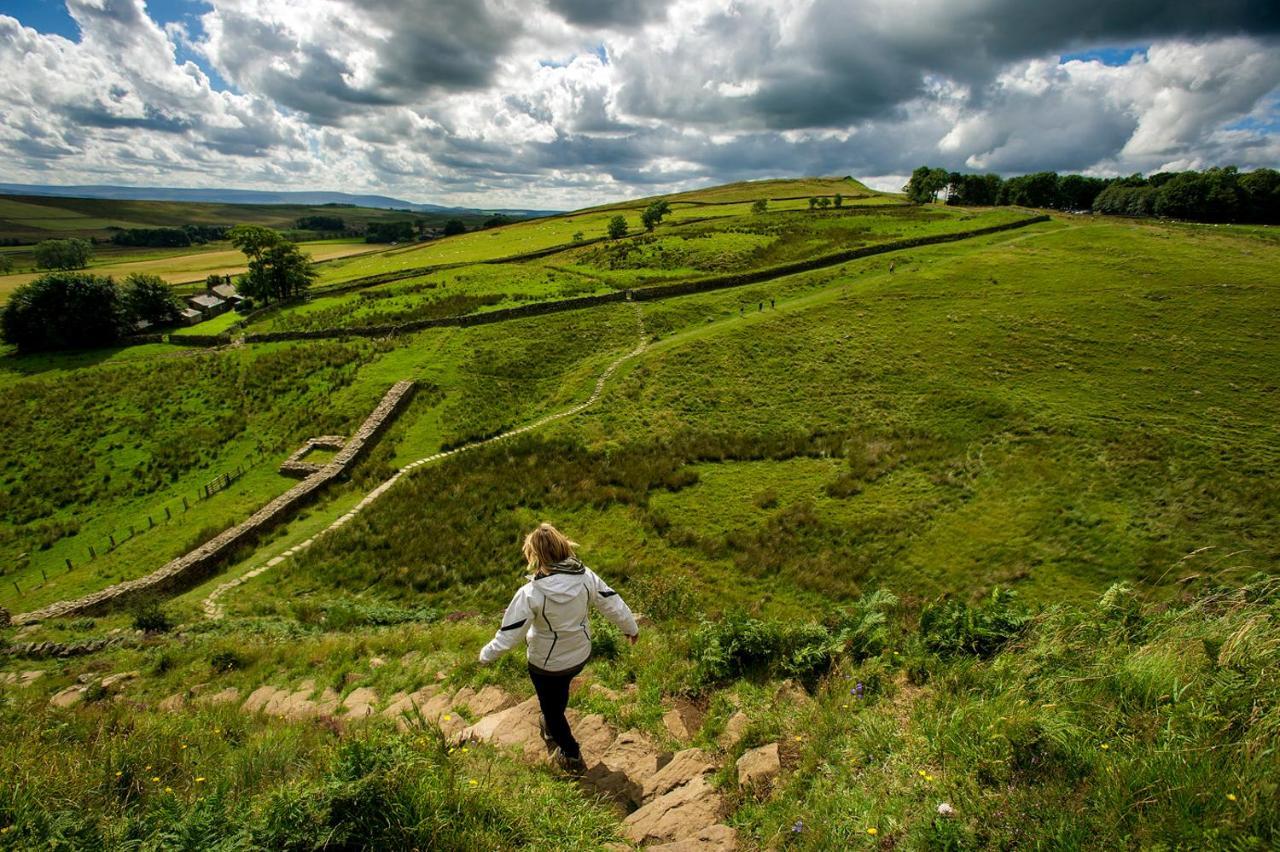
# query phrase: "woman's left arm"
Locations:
[[511, 632]]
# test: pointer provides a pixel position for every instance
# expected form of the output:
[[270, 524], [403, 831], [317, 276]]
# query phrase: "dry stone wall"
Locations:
[[199, 562], [700, 285]]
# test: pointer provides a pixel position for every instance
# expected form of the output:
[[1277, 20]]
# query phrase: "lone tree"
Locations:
[[74, 253], [813, 202], [64, 310], [6, 264], [454, 227], [760, 205], [277, 268], [653, 214], [824, 203], [839, 200], [150, 298], [617, 227]]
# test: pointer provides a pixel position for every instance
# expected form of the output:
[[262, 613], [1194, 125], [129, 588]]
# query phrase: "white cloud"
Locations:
[[561, 102]]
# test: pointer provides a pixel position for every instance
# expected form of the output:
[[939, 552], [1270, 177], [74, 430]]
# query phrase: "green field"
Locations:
[[1082, 411]]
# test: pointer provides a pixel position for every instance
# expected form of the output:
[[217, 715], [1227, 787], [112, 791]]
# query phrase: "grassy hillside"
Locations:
[[830, 476], [38, 217]]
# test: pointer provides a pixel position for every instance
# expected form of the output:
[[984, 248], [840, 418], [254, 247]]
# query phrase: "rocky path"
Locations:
[[666, 799], [213, 606]]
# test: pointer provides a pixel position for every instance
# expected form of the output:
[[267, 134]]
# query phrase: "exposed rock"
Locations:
[[791, 694], [259, 699], [714, 838], [593, 733], [604, 692], [173, 703], [224, 696], [68, 697], [20, 679], [491, 699], [111, 681], [678, 815], [376, 662], [516, 727], [624, 768], [5, 618], [734, 730], [360, 702], [682, 721], [759, 766], [683, 768], [404, 709]]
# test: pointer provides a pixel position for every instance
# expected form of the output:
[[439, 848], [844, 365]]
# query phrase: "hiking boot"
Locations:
[[574, 766]]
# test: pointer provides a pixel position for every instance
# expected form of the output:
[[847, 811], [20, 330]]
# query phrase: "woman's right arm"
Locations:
[[512, 629]]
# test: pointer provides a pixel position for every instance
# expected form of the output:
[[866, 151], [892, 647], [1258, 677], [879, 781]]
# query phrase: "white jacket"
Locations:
[[552, 609]]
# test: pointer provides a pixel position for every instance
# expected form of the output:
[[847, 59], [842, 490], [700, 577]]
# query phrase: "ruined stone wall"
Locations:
[[200, 562]]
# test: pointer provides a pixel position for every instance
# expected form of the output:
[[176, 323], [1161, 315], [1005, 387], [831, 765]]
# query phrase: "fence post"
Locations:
[[168, 516], [93, 554], [150, 523], [184, 504], [68, 566], [112, 537]]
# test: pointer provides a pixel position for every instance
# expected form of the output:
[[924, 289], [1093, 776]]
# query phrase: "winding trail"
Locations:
[[212, 605]]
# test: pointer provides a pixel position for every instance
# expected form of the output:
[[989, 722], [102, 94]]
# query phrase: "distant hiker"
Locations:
[[761, 308], [773, 304], [550, 612], [891, 267]]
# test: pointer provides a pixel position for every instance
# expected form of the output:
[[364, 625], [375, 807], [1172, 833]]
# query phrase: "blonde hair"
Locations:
[[546, 546]]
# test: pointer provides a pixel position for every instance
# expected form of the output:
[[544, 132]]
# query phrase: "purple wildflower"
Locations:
[[798, 827]]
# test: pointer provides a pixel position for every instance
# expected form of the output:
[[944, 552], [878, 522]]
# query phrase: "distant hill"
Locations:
[[248, 196]]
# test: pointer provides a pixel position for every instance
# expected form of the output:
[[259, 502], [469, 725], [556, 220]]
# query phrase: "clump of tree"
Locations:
[[152, 237], [149, 298], [653, 214], [497, 221], [74, 253], [838, 201], [925, 184], [321, 223], [1213, 195], [80, 310], [454, 227], [6, 264], [278, 269], [389, 232], [760, 206], [617, 227]]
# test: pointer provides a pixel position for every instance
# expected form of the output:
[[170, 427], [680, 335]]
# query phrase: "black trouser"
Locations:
[[553, 697]]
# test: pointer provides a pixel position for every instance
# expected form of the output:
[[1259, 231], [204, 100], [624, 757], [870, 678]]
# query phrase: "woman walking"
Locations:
[[550, 612]]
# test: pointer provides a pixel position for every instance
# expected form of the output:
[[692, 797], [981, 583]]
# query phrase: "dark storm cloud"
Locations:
[[609, 13], [844, 62]]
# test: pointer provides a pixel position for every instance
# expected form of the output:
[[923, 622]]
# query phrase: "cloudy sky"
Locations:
[[563, 103]]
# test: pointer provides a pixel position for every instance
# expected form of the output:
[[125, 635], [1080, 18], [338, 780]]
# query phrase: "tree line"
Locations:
[[1220, 194]]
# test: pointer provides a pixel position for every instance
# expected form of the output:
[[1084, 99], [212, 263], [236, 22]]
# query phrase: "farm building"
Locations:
[[227, 292], [190, 316], [208, 304]]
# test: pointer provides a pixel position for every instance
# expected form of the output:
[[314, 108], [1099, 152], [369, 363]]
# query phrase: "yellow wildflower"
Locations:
[[872, 832], [473, 782], [928, 777], [200, 780], [448, 718], [1104, 746], [168, 789], [921, 773], [184, 746], [155, 780], [1231, 797], [118, 774]]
